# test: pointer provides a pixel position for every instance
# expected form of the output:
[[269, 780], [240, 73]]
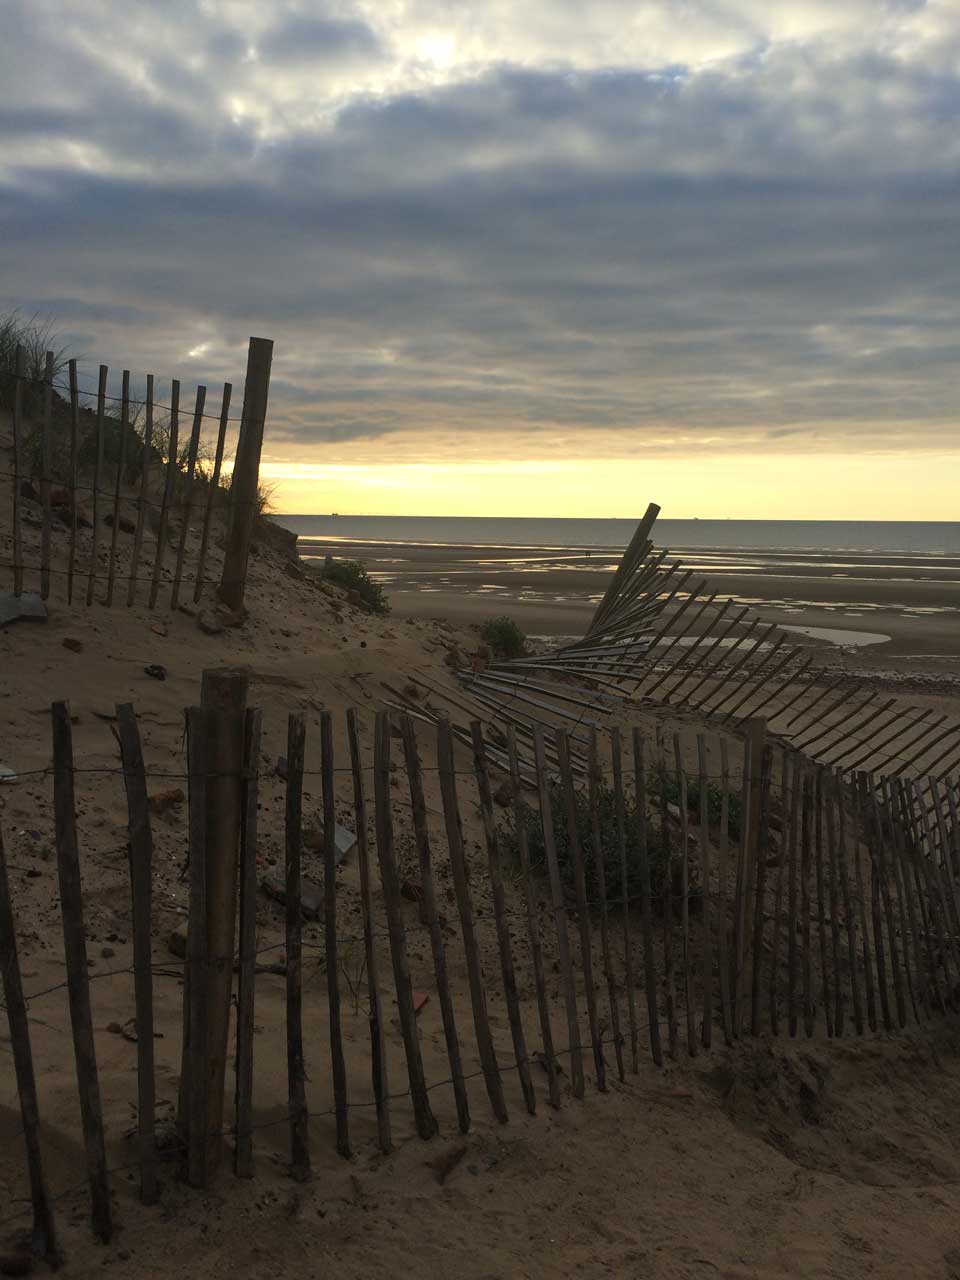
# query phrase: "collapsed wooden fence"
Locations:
[[124, 447], [694, 889]]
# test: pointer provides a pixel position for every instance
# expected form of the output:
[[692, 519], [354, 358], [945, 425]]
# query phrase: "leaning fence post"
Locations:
[[19, 376], [246, 472], [44, 1235], [337, 1063], [45, 474], [196, 1055], [141, 860], [78, 981]]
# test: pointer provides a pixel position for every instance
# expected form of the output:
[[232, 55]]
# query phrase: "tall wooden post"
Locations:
[[223, 697], [246, 472]]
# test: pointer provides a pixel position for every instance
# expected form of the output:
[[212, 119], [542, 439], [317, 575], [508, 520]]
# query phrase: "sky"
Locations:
[[524, 259]]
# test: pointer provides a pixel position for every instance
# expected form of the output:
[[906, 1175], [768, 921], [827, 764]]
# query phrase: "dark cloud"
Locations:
[[766, 243]]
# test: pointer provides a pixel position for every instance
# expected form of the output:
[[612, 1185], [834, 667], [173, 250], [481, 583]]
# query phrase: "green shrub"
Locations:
[[714, 802], [352, 576], [504, 638], [658, 856]]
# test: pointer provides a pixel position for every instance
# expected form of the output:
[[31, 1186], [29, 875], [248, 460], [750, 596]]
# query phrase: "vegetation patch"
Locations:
[[503, 637]]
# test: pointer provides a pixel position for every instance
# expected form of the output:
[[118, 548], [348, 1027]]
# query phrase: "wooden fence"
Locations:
[[689, 890], [90, 469]]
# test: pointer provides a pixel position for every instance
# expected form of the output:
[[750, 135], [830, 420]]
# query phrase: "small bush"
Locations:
[[504, 638], [714, 802], [37, 338], [660, 860], [352, 576]]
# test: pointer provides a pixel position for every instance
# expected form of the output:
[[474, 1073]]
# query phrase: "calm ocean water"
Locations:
[[925, 538]]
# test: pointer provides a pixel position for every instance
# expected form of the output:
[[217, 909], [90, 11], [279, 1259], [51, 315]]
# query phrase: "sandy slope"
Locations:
[[810, 1160]]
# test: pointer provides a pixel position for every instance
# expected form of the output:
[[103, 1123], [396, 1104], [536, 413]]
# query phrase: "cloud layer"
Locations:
[[566, 225]]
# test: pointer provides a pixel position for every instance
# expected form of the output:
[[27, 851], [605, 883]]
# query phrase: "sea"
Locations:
[[917, 537]]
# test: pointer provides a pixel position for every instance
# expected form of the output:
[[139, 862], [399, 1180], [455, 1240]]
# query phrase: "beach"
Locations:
[[898, 609]]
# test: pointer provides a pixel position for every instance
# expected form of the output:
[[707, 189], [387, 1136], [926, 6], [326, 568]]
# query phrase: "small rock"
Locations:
[[124, 524], [156, 670], [209, 622], [107, 953], [75, 646], [163, 801], [115, 1028], [420, 998], [160, 628], [177, 940], [311, 898], [27, 607]]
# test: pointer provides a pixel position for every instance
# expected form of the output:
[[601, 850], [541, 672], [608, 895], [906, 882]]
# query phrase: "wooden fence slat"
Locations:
[[141, 889], [338, 1065], [682, 802], [868, 968], [616, 759], [78, 980], [778, 895], [559, 913], [43, 1235], [821, 897], [723, 960], [670, 996], [946, 903], [646, 895], [884, 872], [186, 507], [755, 736], [172, 445], [296, 1072], [826, 792], [20, 373], [212, 491], [97, 479], [848, 909], [46, 428], [706, 873], [143, 494], [390, 881], [583, 910], [381, 1086], [760, 880], [908, 930], [928, 900], [195, 986], [243, 1149], [118, 484], [74, 466], [511, 996], [533, 927], [471, 947], [599, 858], [879, 951], [796, 801], [432, 918], [806, 859]]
